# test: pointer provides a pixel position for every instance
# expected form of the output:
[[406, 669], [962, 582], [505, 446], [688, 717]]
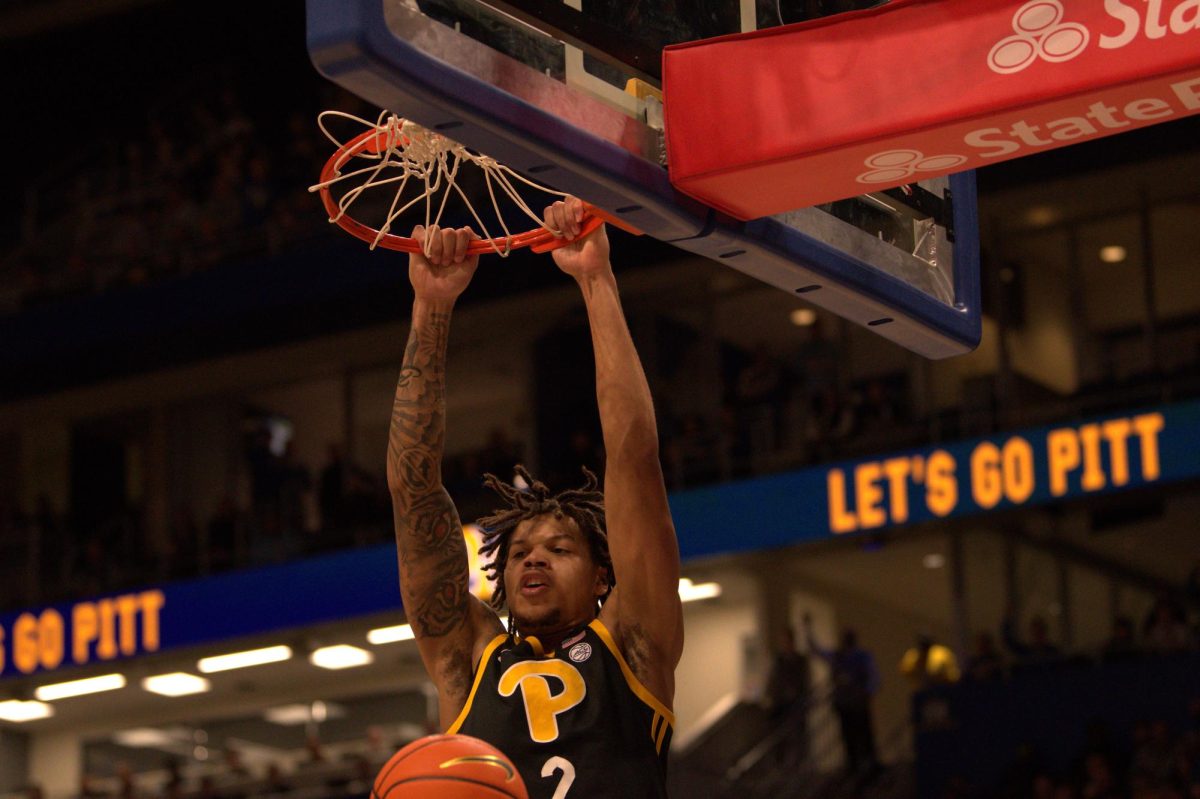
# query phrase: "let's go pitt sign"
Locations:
[[915, 89]]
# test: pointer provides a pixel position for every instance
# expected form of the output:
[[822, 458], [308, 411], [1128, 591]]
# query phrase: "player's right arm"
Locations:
[[451, 626]]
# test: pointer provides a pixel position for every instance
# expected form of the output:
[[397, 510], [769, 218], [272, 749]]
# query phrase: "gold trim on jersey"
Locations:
[[479, 670], [658, 731], [635, 685], [534, 644]]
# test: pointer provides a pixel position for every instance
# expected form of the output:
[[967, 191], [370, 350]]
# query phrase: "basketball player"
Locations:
[[578, 691]]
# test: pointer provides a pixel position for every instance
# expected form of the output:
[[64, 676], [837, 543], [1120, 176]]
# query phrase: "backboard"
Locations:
[[567, 93]]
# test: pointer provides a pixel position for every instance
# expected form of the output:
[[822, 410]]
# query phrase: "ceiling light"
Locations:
[[20, 712], [241, 660], [803, 317], [933, 560], [176, 684], [390, 635], [144, 738], [295, 715], [341, 656], [1113, 254], [91, 685], [1042, 216], [690, 592]]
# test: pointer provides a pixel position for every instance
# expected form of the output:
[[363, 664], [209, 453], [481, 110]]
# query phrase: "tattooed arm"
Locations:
[[451, 626]]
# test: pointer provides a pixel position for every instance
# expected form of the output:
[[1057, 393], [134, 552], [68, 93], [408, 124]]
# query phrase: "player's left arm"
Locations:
[[644, 610]]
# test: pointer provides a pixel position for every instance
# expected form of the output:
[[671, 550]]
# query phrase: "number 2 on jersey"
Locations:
[[557, 763]]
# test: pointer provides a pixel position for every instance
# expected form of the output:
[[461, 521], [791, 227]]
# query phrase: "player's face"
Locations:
[[551, 581]]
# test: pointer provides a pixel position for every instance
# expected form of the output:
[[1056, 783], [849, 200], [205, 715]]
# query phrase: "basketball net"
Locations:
[[400, 154]]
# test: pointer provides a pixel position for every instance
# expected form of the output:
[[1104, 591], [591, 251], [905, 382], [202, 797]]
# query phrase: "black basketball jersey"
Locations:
[[576, 722]]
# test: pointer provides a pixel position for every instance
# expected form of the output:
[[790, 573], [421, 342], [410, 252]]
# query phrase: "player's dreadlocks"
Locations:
[[584, 506]]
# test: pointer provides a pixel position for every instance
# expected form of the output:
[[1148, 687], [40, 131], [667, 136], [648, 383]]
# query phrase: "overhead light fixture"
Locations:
[[390, 635], [144, 738], [19, 712], [803, 317], [177, 683], [691, 592], [1113, 254], [933, 560], [1042, 215], [340, 656], [295, 715], [90, 685], [241, 660]]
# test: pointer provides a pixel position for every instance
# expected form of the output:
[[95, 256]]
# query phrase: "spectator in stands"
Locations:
[[788, 692], [1099, 781], [1121, 645], [758, 390], [314, 750], [276, 783], [855, 683], [1155, 759], [1037, 650], [986, 662], [1044, 786], [1019, 775], [332, 490], [375, 750], [1165, 631], [235, 768], [173, 785], [928, 663], [499, 453], [224, 535], [1192, 586], [692, 453]]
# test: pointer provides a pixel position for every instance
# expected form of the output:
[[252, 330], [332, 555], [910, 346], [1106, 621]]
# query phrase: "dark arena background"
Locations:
[[197, 377]]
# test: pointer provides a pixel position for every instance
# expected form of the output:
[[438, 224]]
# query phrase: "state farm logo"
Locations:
[[1038, 32], [894, 166]]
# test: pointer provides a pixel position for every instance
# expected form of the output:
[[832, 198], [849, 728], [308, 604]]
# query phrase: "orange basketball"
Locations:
[[449, 767]]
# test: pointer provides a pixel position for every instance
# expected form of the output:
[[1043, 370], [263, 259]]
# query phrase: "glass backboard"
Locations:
[[568, 93]]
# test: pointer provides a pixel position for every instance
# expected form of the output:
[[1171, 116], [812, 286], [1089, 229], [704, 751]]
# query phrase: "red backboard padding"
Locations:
[[799, 115]]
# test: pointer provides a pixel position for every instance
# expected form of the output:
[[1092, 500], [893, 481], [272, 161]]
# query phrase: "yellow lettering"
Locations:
[[152, 603], [127, 608], [1018, 470], [1116, 432], [106, 647], [1062, 451], [986, 485], [840, 521], [50, 638], [84, 629], [1093, 472], [25, 643], [1148, 426], [941, 489], [868, 495], [542, 707], [897, 471]]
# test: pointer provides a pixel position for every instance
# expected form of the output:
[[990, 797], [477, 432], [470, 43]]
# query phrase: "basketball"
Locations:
[[449, 767]]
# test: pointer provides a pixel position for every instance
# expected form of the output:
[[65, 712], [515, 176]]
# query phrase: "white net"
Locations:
[[420, 166]]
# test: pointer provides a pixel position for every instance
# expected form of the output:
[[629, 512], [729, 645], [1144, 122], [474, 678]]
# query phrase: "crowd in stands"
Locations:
[[783, 413], [1158, 763], [319, 771], [207, 178], [1165, 631]]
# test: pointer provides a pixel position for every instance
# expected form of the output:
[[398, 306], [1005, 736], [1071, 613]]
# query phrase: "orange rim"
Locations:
[[375, 141]]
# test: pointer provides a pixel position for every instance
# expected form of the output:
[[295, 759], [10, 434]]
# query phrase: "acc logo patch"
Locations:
[[580, 652]]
